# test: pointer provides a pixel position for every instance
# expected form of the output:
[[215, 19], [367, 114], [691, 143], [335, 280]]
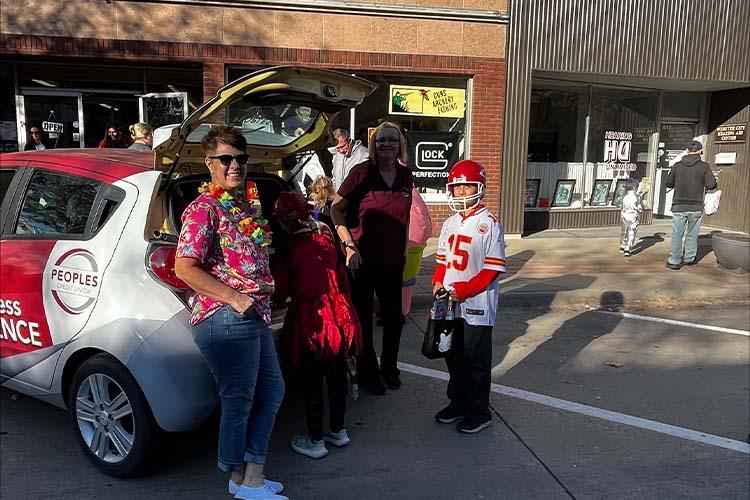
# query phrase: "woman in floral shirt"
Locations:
[[222, 256]]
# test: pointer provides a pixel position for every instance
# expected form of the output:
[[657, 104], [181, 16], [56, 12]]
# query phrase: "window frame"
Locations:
[[105, 192]]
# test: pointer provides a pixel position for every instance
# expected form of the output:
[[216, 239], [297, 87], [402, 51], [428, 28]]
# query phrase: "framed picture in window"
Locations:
[[563, 192], [601, 192], [532, 192], [620, 190]]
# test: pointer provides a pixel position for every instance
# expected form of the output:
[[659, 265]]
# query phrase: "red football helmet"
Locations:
[[466, 172]]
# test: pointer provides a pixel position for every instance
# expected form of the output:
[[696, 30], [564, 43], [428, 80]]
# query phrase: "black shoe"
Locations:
[[449, 414], [392, 382], [472, 425], [374, 387], [674, 267], [626, 253], [691, 263]]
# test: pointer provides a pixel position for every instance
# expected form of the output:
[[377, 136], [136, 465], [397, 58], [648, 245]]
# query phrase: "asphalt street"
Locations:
[[588, 405]]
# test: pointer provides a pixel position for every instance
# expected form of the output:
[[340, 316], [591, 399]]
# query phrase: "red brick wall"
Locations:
[[488, 100]]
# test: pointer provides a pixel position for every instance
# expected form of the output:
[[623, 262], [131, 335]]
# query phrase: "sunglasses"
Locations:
[[389, 140], [226, 160]]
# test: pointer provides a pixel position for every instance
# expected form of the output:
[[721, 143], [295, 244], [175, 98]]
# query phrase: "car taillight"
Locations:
[[161, 263]]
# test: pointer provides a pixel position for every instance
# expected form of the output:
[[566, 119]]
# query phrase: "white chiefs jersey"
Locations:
[[467, 246]]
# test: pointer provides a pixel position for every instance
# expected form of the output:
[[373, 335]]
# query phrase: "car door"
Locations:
[[55, 245]]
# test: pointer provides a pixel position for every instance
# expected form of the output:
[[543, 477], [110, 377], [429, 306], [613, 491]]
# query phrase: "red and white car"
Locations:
[[92, 316]]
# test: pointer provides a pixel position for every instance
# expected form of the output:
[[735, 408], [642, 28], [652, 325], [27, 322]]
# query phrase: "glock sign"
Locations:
[[52, 127], [431, 155]]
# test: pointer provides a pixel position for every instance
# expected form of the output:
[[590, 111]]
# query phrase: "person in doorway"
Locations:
[[299, 122], [690, 177], [222, 255], [346, 154], [371, 215], [320, 330], [113, 138], [35, 142], [471, 258], [143, 137], [630, 213]]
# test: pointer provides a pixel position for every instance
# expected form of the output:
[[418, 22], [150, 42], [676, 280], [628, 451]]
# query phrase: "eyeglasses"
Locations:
[[389, 140], [226, 160]]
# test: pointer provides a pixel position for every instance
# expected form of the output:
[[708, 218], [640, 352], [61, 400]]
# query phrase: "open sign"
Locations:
[[53, 127]]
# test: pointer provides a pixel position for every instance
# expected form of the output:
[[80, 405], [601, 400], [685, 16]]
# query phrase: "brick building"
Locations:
[[93, 63]]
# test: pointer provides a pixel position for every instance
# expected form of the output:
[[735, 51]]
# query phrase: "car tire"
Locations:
[[110, 416]]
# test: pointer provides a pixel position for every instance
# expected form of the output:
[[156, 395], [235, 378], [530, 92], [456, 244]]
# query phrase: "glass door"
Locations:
[[673, 139], [58, 115]]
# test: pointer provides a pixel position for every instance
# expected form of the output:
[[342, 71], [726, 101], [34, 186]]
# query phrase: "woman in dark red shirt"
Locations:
[[371, 214]]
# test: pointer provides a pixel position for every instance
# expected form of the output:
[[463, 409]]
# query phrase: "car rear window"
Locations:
[[56, 204]]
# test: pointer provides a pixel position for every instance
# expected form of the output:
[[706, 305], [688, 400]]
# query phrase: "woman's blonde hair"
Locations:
[[140, 130], [317, 192], [402, 154]]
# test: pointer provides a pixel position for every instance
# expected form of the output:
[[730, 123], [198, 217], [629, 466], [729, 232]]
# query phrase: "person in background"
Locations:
[[113, 138], [630, 212], [371, 215], [35, 142], [470, 257], [321, 194], [690, 177], [143, 137], [320, 328], [222, 256], [346, 154]]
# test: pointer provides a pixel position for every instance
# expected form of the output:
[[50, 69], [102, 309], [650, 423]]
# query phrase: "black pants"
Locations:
[[469, 365], [334, 373], [385, 281]]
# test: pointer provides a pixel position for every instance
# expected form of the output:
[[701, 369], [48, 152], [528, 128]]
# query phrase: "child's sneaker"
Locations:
[[472, 425], [626, 253], [306, 446], [449, 414], [340, 438], [260, 492], [274, 486], [622, 250]]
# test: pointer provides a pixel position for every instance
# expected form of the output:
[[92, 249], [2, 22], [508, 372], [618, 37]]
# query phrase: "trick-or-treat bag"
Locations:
[[441, 325]]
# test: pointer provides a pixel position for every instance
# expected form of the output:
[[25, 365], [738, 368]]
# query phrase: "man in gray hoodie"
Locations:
[[346, 154], [690, 177]]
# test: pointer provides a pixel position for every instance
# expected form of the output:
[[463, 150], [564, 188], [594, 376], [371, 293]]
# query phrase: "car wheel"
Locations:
[[110, 416]]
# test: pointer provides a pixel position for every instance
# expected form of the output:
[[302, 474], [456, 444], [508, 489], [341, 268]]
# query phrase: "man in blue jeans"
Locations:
[[690, 177]]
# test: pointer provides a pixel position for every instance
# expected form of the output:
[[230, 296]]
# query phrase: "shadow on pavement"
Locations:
[[647, 242]]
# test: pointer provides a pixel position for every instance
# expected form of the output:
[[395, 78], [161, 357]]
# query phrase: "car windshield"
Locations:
[[276, 125]]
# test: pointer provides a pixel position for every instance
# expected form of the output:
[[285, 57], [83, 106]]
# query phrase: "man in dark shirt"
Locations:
[[690, 177]]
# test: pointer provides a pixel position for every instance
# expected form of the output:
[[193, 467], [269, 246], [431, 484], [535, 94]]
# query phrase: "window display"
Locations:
[[563, 192], [532, 192], [601, 192]]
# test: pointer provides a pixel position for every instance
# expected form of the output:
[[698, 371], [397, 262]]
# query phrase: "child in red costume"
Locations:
[[320, 328]]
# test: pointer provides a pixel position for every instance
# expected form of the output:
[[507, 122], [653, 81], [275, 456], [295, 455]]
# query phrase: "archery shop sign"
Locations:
[[617, 147], [427, 101], [431, 155]]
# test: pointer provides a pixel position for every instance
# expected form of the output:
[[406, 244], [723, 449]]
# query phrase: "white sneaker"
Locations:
[[274, 486], [259, 492], [340, 438], [306, 446]]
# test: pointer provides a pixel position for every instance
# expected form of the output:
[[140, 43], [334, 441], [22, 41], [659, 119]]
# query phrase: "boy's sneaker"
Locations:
[[622, 250], [449, 414], [306, 446], [472, 425], [626, 253], [274, 486], [260, 492], [340, 438]]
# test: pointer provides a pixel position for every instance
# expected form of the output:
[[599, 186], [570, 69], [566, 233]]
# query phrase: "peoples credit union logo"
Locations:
[[432, 155], [75, 280]]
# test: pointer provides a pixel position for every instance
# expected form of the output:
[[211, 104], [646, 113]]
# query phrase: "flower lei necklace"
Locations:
[[252, 225]]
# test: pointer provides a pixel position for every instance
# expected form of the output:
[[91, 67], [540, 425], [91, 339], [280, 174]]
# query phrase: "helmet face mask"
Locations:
[[465, 172]]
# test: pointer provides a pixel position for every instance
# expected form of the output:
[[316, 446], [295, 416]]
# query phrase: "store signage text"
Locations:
[[53, 127], [617, 147], [431, 155], [427, 101], [731, 133]]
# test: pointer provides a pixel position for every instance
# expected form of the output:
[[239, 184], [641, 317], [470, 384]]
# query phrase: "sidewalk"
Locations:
[[572, 269]]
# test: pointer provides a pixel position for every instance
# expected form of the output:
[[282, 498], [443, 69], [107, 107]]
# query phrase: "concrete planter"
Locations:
[[732, 251]]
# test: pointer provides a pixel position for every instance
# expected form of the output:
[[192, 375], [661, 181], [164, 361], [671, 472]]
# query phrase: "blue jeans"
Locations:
[[681, 221], [241, 354]]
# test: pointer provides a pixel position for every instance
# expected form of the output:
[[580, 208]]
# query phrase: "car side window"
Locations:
[[6, 176], [56, 204]]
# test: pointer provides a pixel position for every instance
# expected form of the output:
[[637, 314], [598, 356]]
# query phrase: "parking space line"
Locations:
[[592, 411], [700, 326]]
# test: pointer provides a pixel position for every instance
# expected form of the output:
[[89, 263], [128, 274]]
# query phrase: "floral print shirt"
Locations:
[[210, 235]]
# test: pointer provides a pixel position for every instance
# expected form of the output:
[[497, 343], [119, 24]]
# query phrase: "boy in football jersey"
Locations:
[[470, 258]]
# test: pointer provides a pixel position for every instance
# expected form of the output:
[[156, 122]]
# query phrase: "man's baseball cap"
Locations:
[[695, 146]]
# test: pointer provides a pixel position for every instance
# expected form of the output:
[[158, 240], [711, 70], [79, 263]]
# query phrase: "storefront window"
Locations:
[[8, 128]]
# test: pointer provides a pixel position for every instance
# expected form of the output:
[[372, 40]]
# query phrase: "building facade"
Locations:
[[599, 91], [77, 68]]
